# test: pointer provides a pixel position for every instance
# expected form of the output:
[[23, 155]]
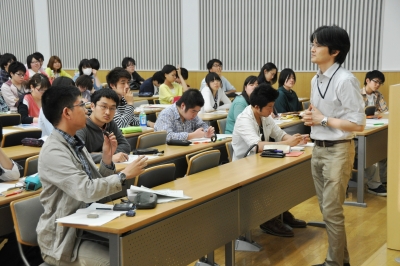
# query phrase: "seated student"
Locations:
[[9, 170], [104, 105], [213, 95], [54, 68], [43, 123], [376, 174], [118, 81], [152, 84], [14, 89], [215, 66], [129, 64], [268, 74], [185, 76], [70, 179], [85, 85], [34, 63], [29, 108], [240, 103], [180, 120], [5, 61], [287, 100], [85, 68], [170, 90], [255, 126]]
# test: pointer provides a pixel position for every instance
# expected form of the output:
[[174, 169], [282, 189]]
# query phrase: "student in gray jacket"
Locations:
[[100, 122], [70, 179]]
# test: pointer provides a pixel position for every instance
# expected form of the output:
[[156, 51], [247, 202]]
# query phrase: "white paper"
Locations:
[[134, 157], [308, 144], [200, 140], [28, 126], [297, 148], [223, 136], [8, 131], [218, 112], [278, 122], [163, 195], [374, 122]]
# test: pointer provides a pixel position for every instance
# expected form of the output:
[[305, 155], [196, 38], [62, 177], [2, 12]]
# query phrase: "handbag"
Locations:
[[144, 200], [32, 142], [178, 142], [146, 151]]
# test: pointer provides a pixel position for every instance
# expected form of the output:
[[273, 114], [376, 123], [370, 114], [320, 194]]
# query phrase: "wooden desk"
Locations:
[[182, 231], [149, 99], [303, 99], [148, 110], [206, 117], [21, 152]]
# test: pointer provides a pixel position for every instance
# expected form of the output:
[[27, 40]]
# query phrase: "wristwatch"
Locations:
[[324, 121], [122, 178]]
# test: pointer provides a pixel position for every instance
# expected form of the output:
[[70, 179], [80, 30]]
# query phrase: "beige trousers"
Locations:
[[331, 168]]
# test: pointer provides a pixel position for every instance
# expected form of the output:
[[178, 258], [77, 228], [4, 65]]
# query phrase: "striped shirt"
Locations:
[[124, 116]]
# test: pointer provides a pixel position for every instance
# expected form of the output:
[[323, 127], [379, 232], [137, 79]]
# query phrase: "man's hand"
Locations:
[[199, 133], [210, 132], [120, 157], [129, 96], [136, 167], [94, 71], [109, 147], [294, 140], [312, 116]]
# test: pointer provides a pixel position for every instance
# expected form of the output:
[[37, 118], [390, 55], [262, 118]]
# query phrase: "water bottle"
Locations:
[[143, 119]]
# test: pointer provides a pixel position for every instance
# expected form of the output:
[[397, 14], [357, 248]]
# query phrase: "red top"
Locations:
[[33, 108]]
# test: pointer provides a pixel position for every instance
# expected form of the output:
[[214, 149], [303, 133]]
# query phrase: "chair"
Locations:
[[26, 213], [305, 104], [157, 175], [229, 150], [203, 161], [14, 138], [190, 155], [31, 165], [139, 103], [221, 125], [10, 120], [151, 139]]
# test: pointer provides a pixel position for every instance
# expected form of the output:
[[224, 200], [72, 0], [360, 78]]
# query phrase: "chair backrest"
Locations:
[[190, 155], [151, 139], [14, 138], [221, 125], [229, 150], [10, 120], [203, 161], [31, 165], [157, 175], [139, 103], [305, 104], [370, 110], [26, 213]]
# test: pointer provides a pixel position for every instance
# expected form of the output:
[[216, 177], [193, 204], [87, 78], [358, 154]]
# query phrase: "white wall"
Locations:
[[391, 36], [190, 34]]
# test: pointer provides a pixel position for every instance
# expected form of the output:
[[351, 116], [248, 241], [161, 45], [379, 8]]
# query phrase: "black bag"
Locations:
[[145, 200], [32, 142], [177, 142], [145, 94], [134, 85], [272, 154], [145, 151]]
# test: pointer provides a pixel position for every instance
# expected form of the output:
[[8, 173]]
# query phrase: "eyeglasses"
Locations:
[[81, 104], [377, 82], [104, 108], [21, 75], [217, 65], [315, 45], [35, 62]]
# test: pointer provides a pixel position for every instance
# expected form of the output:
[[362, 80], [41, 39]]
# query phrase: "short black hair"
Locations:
[[84, 81], [248, 80], [262, 95], [94, 63], [30, 58], [335, 38], [211, 77], [66, 81], [55, 99], [261, 76], [39, 80], [116, 74], [159, 77], [374, 74], [184, 73], [38, 55], [109, 94], [284, 75], [211, 63], [128, 60], [15, 67], [191, 98], [85, 63], [5, 59], [168, 69]]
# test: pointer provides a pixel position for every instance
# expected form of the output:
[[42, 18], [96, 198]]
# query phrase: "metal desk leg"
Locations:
[[360, 174], [230, 254], [114, 250], [207, 261]]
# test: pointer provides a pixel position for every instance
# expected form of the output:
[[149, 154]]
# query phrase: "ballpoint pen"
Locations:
[[15, 193]]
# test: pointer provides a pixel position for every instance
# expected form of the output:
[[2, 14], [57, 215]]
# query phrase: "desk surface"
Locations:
[[21, 152], [148, 110], [212, 116], [201, 187], [7, 200], [137, 98]]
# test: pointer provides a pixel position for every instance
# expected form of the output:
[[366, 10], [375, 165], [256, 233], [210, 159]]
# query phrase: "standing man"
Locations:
[[336, 111]]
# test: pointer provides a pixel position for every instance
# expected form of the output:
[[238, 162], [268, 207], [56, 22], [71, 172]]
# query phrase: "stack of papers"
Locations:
[[134, 157], [105, 212], [163, 195]]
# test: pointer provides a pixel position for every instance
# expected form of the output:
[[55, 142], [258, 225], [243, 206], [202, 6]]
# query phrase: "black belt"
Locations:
[[330, 143]]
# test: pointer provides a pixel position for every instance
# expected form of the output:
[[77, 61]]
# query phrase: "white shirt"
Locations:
[[209, 101], [44, 124], [247, 132], [342, 100], [10, 175]]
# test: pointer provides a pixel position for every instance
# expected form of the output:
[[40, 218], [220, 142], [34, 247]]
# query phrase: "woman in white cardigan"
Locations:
[[213, 95]]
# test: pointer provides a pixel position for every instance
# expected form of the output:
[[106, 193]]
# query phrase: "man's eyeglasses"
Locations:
[[82, 104], [315, 45], [35, 62], [19, 74], [217, 65], [104, 108], [377, 82]]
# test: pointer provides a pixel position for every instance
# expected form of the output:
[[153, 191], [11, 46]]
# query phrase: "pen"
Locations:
[[107, 209], [14, 193], [379, 124]]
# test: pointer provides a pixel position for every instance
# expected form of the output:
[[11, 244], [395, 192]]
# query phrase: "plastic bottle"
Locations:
[[142, 119]]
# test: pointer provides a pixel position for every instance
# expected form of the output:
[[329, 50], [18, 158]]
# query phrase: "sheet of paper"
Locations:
[[163, 195], [297, 148], [377, 122], [8, 131], [200, 140], [224, 136], [134, 157], [308, 144], [28, 126]]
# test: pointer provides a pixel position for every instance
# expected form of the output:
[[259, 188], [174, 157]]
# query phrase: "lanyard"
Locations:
[[319, 90]]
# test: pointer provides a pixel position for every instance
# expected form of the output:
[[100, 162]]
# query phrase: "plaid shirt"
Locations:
[[380, 103], [78, 145], [170, 121]]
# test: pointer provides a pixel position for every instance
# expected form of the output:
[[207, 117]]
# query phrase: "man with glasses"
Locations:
[[215, 65], [100, 122]]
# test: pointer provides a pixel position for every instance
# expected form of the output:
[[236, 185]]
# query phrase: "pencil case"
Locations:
[[127, 130]]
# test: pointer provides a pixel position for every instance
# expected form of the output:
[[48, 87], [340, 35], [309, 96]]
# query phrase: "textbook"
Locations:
[[280, 147]]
